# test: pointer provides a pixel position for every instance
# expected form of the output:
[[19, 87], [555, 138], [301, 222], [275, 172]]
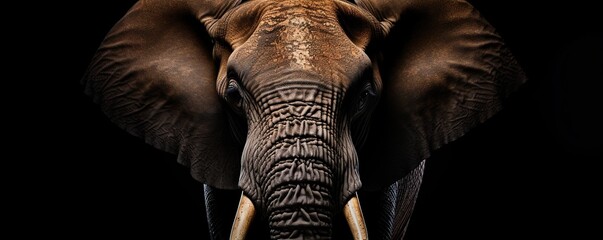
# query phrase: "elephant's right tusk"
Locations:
[[353, 215], [243, 219]]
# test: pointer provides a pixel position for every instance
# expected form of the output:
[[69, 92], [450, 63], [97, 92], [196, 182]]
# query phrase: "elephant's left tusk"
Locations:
[[243, 219], [353, 215]]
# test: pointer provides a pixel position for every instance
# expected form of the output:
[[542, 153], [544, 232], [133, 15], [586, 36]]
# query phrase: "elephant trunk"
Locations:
[[308, 217], [300, 194], [246, 211], [300, 167], [303, 184]]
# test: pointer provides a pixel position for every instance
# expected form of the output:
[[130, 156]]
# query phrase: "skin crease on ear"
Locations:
[[296, 87]]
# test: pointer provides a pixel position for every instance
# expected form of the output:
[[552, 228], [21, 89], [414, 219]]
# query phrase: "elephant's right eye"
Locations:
[[233, 94]]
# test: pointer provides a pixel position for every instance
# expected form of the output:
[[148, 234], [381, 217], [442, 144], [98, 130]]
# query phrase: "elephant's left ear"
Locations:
[[155, 77], [444, 71]]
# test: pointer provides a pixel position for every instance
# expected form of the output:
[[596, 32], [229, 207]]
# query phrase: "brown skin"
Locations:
[[297, 79], [277, 98]]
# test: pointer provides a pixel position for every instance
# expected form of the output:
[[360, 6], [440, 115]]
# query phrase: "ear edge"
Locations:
[[505, 72], [113, 78]]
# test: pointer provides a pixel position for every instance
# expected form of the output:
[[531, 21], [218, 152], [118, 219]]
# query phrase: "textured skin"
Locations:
[[303, 103], [157, 81], [387, 211], [220, 207], [406, 196], [445, 72], [294, 73]]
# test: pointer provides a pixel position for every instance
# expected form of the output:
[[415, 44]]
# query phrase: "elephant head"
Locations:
[[301, 104]]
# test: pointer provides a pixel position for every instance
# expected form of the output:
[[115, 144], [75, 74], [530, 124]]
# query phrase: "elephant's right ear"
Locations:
[[155, 77], [444, 70]]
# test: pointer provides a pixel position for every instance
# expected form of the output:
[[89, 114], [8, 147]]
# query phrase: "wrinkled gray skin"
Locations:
[[303, 104]]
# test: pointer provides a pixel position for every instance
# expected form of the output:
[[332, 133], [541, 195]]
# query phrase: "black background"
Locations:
[[531, 171]]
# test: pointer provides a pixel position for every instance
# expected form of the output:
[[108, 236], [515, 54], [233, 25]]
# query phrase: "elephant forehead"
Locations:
[[303, 39], [297, 39]]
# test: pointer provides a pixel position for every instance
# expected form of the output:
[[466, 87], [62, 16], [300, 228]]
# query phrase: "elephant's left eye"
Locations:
[[233, 94], [366, 96]]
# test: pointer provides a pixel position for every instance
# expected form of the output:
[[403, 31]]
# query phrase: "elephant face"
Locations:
[[300, 103], [299, 82]]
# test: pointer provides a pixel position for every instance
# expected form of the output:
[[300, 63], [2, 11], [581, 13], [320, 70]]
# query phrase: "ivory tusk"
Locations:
[[353, 215], [243, 219]]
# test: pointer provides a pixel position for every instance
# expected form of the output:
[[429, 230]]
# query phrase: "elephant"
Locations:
[[295, 113]]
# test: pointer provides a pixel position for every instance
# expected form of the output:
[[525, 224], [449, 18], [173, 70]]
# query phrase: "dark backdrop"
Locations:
[[531, 171]]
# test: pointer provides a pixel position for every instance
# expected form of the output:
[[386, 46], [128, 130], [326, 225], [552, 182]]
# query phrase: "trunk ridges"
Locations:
[[298, 163], [299, 170], [297, 150], [300, 188], [293, 195], [300, 211], [300, 234]]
